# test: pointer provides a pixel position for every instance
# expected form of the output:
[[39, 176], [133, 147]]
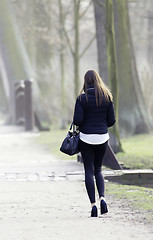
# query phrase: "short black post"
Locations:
[[19, 103], [29, 113]]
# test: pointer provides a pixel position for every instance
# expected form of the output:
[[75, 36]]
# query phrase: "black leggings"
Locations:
[[92, 158]]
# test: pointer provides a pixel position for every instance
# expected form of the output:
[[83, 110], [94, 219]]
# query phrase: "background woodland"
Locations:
[[54, 42]]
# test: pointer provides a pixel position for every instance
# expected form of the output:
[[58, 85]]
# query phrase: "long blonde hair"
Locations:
[[92, 77]]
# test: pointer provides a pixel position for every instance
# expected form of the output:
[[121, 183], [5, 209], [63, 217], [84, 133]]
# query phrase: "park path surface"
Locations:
[[42, 198]]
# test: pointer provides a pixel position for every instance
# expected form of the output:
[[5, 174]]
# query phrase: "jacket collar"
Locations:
[[91, 89], [91, 86]]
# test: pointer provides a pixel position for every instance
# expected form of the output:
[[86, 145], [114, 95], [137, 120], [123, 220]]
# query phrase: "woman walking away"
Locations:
[[94, 113]]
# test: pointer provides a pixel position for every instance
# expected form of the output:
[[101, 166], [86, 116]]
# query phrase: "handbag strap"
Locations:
[[71, 126]]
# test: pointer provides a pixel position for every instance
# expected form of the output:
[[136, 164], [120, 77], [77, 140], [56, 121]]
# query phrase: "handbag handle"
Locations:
[[72, 125], [74, 128]]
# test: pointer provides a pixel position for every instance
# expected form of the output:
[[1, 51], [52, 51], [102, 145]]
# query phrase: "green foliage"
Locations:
[[138, 197]]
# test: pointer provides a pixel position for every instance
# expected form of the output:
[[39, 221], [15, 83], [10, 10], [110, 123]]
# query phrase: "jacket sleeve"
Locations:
[[110, 115], [78, 113]]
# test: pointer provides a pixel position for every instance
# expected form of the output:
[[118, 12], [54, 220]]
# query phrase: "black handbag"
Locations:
[[70, 145]]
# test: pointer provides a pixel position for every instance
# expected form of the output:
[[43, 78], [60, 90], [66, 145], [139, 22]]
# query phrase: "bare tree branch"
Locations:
[[68, 40], [63, 28], [88, 45], [84, 12], [79, 3], [150, 16]]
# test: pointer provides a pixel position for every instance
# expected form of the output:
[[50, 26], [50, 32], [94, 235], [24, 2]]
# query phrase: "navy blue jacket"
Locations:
[[90, 118]]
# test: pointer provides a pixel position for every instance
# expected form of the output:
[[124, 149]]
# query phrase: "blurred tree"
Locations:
[[105, 8], [75, 47], [3, 99], [4, 86], [100, 20], [38, 24], [47, 46], [11, 55], [133, 112], [141, 20], [62, 64], [112, 71], [42, 31], [15, 64], [75, 53]]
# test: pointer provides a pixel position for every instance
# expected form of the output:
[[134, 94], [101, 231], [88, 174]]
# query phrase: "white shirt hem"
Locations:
[[94, 138]]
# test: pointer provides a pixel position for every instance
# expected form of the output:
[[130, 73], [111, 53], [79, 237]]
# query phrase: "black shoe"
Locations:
[[94, 212], [103, 207]]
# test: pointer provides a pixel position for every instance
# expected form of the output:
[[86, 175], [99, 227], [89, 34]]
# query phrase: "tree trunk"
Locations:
[[4, 89], [100, 20], [3, 99], [62, 67], [112, 69], [133, 115], [76, 47]]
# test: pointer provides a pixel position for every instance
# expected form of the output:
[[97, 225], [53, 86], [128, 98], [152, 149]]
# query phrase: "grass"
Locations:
[[139, 198], [138, 151]]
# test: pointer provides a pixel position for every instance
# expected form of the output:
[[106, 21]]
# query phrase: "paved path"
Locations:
[[42, 198], [21, 159]]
